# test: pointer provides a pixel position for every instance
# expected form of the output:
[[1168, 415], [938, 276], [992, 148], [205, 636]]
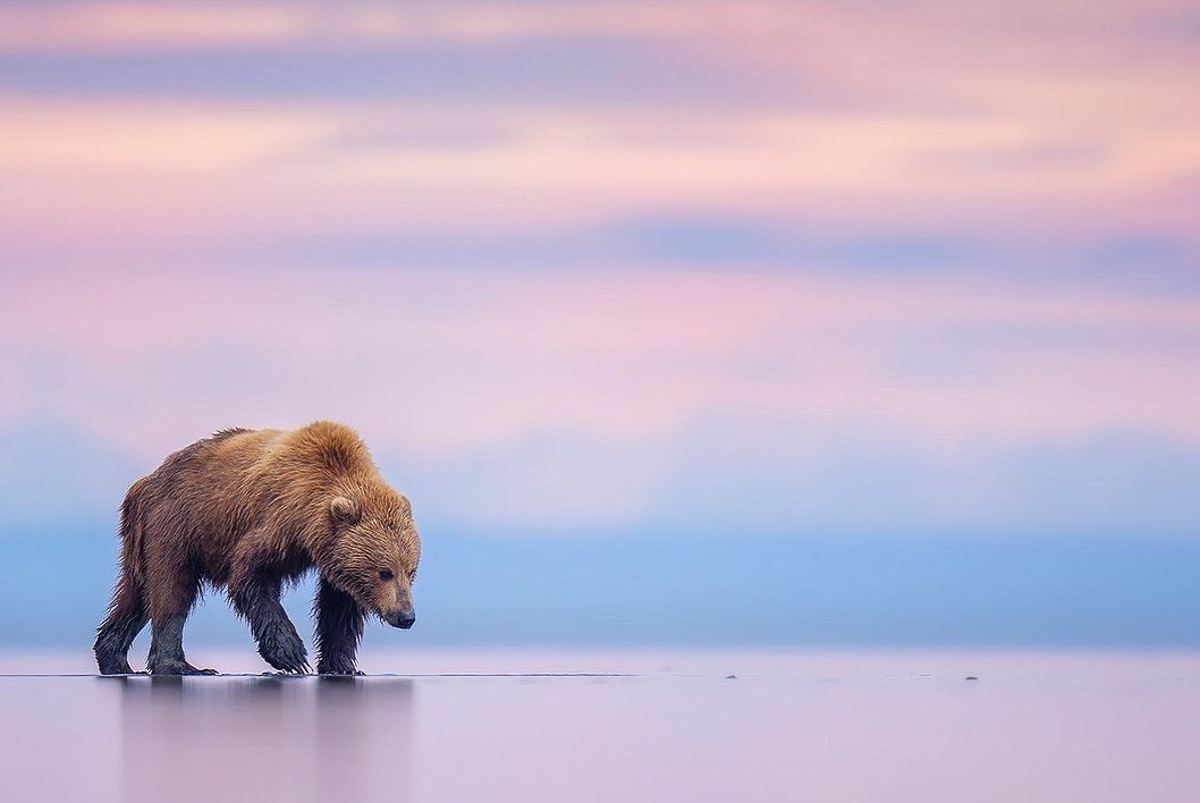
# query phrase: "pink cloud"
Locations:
[[1028, 123], [442, 364], [1026, 120]]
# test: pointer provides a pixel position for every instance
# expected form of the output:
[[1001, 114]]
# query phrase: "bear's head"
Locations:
[[375, 554]]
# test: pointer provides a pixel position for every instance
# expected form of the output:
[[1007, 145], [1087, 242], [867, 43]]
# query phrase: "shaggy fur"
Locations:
[[249, 510]]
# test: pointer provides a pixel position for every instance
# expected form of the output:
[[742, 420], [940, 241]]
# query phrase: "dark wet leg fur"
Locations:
[[257, 601], [166, 649], [339, 629], [126, 618]]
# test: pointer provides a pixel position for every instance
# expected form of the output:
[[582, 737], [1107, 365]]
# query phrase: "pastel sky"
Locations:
[[614, 271]]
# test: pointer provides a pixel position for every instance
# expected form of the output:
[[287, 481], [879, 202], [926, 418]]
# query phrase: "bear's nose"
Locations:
[[402, 619]]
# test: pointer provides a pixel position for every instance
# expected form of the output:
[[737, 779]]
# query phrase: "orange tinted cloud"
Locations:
[[1023, 118], [133, 26], [233, 168]]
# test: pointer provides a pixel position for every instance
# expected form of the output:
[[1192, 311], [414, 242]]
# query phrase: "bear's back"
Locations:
[[238, 477]]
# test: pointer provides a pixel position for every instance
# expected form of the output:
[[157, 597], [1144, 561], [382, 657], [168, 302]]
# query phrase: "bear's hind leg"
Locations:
[[126, 617], [166, 633], [166, 649]]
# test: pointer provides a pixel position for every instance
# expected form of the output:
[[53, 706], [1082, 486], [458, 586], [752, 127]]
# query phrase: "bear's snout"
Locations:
[[403, 619]]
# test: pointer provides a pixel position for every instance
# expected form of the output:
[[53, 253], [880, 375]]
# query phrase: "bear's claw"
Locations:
[[115, 668], [286, 653], [178, 668]]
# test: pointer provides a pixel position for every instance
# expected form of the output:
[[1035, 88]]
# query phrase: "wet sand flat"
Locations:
[[647, 725]]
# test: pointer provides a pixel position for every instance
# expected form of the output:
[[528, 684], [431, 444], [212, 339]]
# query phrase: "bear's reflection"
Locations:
[[268, 738]]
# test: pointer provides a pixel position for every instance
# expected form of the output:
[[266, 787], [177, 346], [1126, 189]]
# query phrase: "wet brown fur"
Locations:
[[247, 510]]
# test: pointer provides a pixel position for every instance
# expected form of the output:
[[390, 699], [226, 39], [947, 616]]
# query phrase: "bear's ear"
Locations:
[[344, 510]]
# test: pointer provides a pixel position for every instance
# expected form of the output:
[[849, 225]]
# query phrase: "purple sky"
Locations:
[[771, 267]]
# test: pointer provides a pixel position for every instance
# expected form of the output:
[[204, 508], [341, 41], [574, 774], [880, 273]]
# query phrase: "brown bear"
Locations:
[[248, 510]]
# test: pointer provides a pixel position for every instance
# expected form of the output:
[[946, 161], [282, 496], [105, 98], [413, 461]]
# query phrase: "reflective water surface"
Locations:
[[647, 725]]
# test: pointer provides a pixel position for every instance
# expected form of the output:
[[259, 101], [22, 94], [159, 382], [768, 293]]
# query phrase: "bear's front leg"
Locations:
[[339, 629], [256, 599]]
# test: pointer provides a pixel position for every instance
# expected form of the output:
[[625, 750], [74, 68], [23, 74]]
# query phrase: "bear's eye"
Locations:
[[386, 575]]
